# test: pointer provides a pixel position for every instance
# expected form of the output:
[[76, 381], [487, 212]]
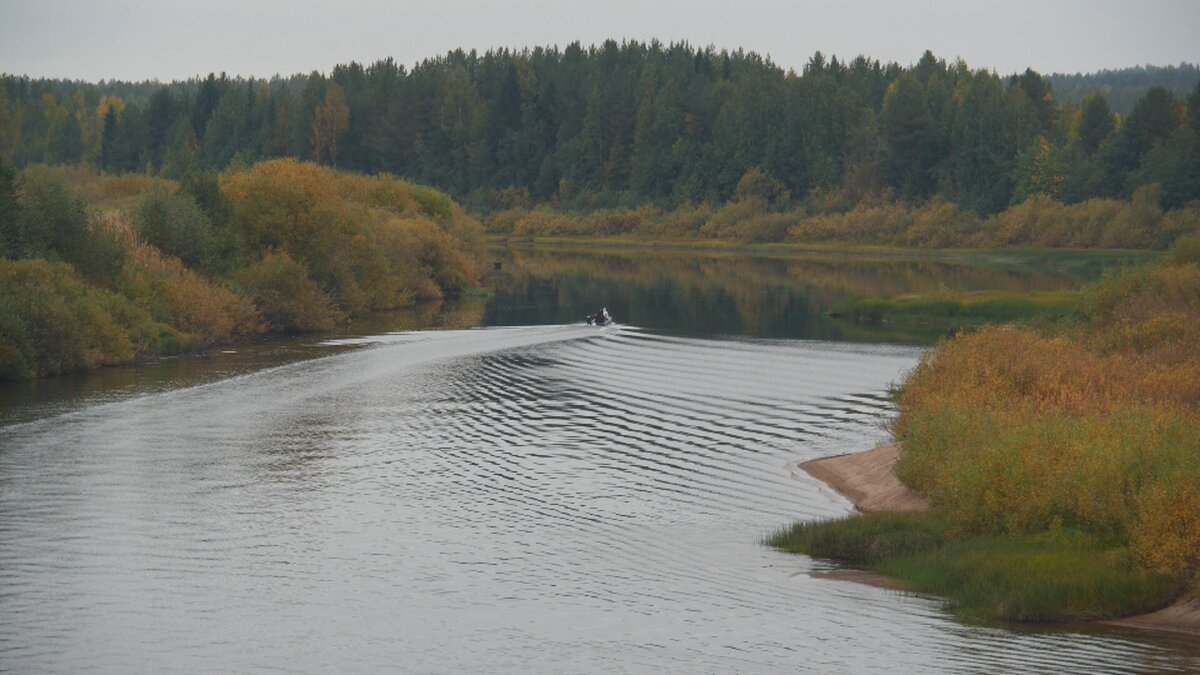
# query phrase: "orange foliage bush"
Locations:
[[369, 243], [175, 295], [1020, 430]]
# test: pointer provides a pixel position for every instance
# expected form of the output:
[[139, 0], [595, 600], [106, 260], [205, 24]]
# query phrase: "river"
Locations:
[[514, 492]]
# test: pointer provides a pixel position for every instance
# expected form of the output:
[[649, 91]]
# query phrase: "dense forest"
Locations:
[[620, 125]]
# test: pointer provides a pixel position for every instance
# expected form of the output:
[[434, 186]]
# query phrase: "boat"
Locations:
[[600, 318]]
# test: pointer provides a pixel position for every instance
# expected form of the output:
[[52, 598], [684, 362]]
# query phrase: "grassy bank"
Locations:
[[1053, 576], [958, 309], [1062, 461], [1089, 261]]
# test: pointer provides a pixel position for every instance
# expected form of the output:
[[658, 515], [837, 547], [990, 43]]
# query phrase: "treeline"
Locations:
[[148, 266], [1124, 86], [633, 123]]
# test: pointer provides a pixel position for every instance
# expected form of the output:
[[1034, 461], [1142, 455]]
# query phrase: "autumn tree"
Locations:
[[331, 119]]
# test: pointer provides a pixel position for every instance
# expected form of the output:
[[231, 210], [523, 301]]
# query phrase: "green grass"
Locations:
[[1081, 263], [1066, 575], [863, 541], [952, 309]]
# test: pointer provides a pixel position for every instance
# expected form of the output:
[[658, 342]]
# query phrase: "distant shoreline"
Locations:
[[833, 248], [867, 479]]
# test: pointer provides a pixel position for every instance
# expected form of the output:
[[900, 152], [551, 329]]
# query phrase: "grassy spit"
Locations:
[[958, 309], [1054, 576]]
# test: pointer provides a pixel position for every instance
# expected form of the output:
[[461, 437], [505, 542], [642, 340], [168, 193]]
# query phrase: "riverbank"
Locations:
[[868, 480], [172, 268], [1003, 257], [1039, 221]]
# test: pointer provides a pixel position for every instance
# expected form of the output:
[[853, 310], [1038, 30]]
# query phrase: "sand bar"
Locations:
[[867, 480], [1183, 617]]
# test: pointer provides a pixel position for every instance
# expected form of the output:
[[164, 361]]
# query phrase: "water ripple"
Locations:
[[537, 499]]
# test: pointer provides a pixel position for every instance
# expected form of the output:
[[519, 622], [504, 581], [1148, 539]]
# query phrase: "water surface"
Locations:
[[736, 293], [541, 498], [544, 498]]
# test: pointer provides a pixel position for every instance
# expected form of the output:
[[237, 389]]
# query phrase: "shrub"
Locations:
[[367, 242], [53, 223], [207, 312], [1187, 250], [287, 298], [52, 322], [175, 225], [1017, 430]]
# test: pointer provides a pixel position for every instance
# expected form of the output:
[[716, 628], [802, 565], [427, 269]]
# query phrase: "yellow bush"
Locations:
[[1167, 537], [286, 296], [1014, 429], [369, 242], [51, 322], [175, 295]]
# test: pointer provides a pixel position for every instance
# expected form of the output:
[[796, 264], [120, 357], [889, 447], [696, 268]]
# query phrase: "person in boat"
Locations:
[[599, 318]]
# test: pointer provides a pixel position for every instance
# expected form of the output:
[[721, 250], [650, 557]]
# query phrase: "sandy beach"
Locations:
[[868, 481]]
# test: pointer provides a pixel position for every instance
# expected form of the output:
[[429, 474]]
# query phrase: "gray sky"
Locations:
[[176, 39]]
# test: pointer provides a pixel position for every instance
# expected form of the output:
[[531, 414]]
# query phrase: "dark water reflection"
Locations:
[[707, 293], [679, 292]]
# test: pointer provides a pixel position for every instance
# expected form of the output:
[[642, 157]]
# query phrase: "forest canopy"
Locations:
[[624, 124]]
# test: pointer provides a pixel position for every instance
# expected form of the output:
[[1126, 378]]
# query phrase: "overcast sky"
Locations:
[[174, 39]]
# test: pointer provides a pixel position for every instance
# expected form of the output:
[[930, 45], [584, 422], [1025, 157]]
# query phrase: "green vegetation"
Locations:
[[1039, 221], [157, 267], [864, 541], [1064, 459], [52, 321], [954, 309], [1059, 575]]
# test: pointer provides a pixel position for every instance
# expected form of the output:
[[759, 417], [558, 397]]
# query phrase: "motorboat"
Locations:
[[600, 318]]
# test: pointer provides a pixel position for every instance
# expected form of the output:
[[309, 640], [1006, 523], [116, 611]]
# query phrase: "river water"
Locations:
[[536, 498]]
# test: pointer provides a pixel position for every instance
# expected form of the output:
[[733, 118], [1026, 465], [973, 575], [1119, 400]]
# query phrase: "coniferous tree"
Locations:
[[1095, 122], [66, 141], [10, 208], [161, 112], [909, 138]]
